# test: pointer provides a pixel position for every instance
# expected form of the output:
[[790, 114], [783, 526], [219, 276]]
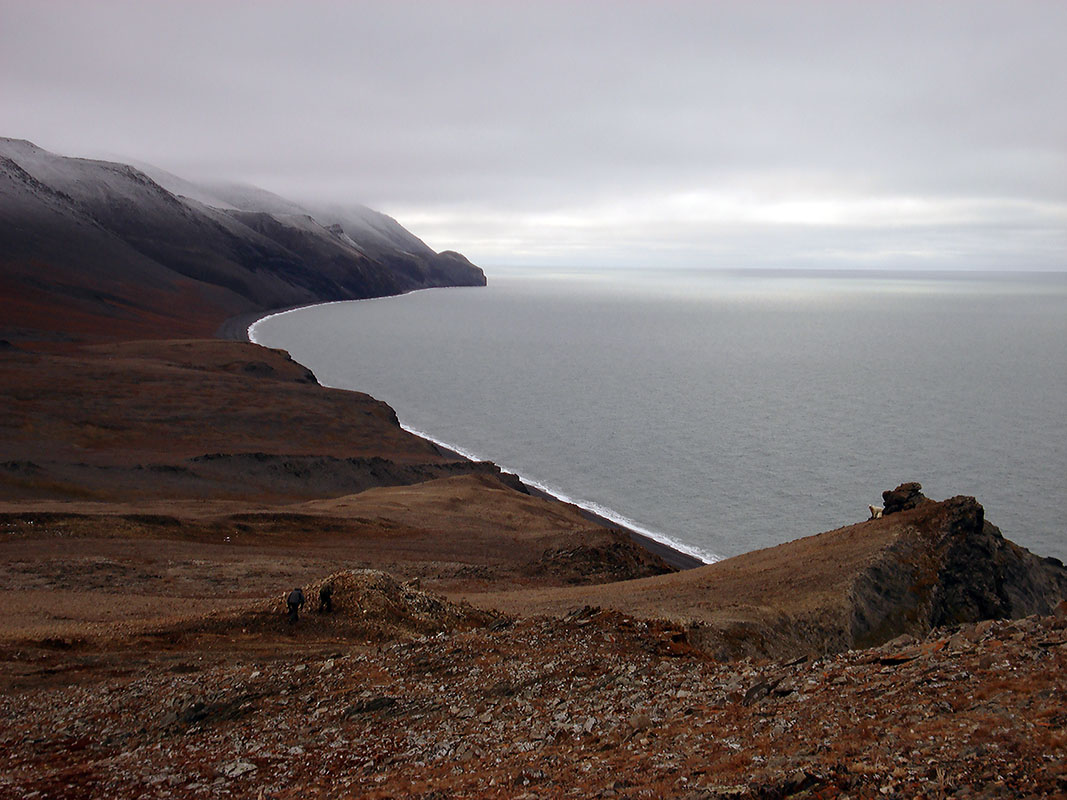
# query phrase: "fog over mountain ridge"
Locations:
[[105, 236], [899, 135]]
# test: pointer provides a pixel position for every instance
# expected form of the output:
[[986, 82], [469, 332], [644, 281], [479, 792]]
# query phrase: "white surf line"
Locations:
[[251, 328], [251, 332], [588, 505]]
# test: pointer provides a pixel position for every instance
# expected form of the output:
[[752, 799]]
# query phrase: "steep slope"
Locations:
[[63, 273], [375, 235], [339, 260], [125, 256]]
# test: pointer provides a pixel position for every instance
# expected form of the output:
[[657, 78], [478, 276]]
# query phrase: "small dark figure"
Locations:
[[295, 601], [326, 598]]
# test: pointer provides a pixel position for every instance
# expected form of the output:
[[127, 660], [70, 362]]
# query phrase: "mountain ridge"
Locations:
[[109, 244]]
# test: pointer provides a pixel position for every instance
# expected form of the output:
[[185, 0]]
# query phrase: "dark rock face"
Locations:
[[949, 566], [905, 496]]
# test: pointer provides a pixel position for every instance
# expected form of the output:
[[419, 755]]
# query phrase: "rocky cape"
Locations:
[[161, 492]]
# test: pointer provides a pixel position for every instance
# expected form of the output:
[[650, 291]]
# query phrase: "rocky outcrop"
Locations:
[[934, 564], [368, 605], [905, 496], [947, 565], [618, 560]]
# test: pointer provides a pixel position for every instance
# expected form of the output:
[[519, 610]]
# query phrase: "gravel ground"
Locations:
[[595, 704]]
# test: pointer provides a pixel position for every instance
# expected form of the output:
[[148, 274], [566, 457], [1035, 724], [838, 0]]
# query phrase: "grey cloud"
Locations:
[[460, 109]]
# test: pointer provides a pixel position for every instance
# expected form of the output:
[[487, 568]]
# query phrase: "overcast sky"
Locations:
[[726, 134]]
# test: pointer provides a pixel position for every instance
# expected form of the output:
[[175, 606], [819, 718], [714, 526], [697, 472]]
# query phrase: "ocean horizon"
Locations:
[[725, 411]]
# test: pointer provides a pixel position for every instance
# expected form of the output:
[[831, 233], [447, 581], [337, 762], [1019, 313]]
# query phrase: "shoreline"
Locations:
[[238, 329], [672, 555]]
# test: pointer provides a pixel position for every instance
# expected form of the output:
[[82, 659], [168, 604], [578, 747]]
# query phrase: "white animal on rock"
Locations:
[[876, 512]]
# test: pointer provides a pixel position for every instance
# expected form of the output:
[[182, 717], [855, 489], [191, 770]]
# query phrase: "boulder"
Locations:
[[904, 497]]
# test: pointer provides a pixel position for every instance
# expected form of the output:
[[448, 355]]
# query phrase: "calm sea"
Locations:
[[728, 412]]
